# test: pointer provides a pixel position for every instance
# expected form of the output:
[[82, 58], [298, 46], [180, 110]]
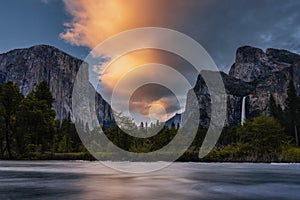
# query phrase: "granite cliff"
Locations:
[[29, 66], [255, 75]]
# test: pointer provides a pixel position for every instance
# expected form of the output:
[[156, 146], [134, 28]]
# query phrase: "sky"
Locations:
[[220, 26]]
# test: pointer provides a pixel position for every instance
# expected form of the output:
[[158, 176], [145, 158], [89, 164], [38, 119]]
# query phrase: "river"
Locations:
[[183, 181]]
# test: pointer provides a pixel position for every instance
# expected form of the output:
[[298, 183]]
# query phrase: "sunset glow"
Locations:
[[94, 21]]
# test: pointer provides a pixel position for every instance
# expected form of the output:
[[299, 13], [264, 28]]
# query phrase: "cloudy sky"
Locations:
[[220, 26]]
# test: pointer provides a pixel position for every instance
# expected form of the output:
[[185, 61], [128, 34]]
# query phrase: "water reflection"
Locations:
[[91, 180]]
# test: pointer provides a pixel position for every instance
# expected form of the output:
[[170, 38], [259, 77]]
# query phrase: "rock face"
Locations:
[[235, 90], [253, 64], [28, 67], [257, 75]]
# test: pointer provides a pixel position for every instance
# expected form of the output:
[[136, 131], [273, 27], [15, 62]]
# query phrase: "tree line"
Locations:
[[29, 129], [28, 126], [272, 136], [289, 117]]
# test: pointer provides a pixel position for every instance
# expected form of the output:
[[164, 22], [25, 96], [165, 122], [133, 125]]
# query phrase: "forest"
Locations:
[[29, 130]]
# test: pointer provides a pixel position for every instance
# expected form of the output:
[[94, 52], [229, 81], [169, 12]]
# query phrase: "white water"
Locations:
[[243, 115]]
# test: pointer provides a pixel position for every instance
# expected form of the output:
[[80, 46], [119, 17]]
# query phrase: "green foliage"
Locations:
[[263, 135], [68, 139], [292, 112], [272, 107], [29, 130], [291, 154], [260, 140], [10, 97], [223, 153], [28, 126], [276, 111], [42, 93], [36, 119]]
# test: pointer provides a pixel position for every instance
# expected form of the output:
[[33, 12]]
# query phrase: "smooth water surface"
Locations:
[[91, 180]]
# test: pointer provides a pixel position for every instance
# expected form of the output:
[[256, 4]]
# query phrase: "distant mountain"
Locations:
[[176, 119], [255, 75], [29, 66]]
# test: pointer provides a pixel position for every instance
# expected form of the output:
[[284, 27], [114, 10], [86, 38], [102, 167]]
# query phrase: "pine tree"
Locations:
[[262, 136], [292, 110], [275, 111], [173, 130], [10, 98], [272, 107], [42, 93], [142, 125], [71, 139], [36, 119]]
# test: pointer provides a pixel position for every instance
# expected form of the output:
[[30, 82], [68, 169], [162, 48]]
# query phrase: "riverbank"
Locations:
[[289, 155]]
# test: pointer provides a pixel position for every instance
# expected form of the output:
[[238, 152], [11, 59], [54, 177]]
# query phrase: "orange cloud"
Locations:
[[125, 64], [93, 21], [154, 101]]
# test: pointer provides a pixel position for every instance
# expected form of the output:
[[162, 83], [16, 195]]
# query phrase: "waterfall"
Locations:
[[243, 115]]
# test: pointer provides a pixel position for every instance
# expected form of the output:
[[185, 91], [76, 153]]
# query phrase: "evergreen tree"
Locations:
[[261, 137], [36, 119], [142, 125], [10, 98], [272, 107], [275, 111], [42, 93], [69, 136], [292, 111], [1, 127], [173, 131]]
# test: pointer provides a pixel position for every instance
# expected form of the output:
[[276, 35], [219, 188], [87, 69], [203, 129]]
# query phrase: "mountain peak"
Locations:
[[252, 63], [42, 47], [42, 50], [248, 54], [282, 55]]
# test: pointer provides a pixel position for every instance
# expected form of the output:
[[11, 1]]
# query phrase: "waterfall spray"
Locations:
[[243, 115]]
